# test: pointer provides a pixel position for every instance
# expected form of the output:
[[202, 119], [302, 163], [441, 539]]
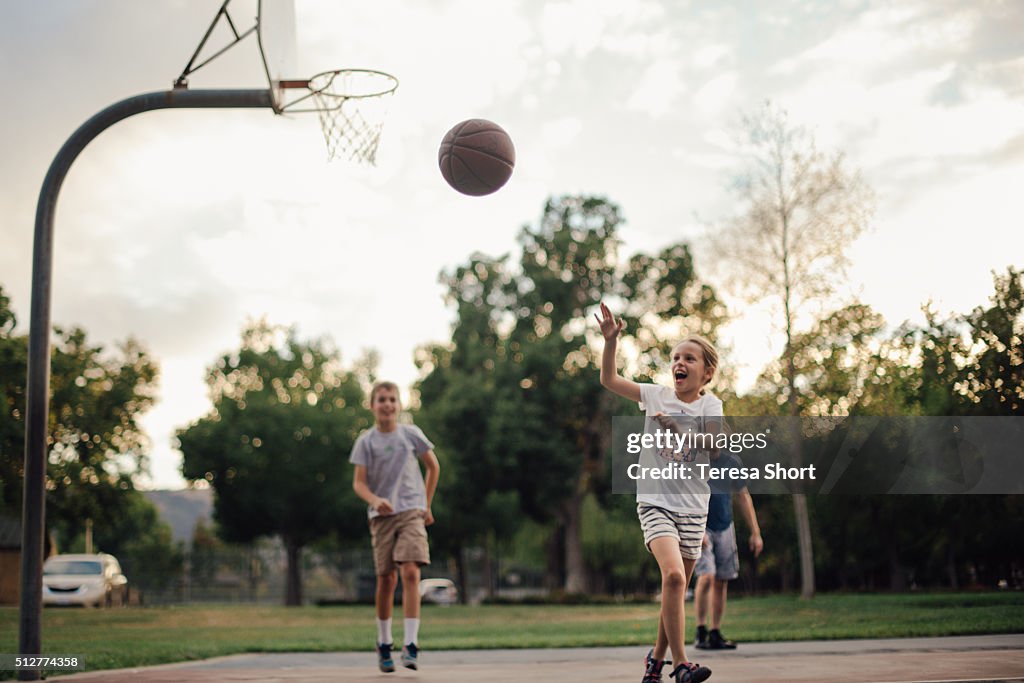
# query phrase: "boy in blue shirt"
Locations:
[[719, 558]]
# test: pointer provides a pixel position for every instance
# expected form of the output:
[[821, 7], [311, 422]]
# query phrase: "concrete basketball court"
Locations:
[[963, 658]]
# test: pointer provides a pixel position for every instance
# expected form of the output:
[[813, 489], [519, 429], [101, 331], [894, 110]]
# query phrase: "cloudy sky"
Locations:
[[176, 226]]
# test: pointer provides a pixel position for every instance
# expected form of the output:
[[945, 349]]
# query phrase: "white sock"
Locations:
[[384, 631], [412, 631]]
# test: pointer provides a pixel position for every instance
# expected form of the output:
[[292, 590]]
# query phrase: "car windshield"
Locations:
[[73, 567]]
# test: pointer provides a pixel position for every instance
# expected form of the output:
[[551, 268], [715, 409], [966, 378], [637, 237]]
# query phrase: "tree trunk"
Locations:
[[802, 519], [803, 534], [897, 573], [784, 572], [952, 533], [842, 574], [954, 582], [554, 572], [575, 567], [800, 514], [460, 574], [254, 572], [600, 581], [293, 579], [488, 563]]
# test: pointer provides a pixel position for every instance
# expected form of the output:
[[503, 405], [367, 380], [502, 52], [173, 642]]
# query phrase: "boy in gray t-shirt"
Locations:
[[388, 477]]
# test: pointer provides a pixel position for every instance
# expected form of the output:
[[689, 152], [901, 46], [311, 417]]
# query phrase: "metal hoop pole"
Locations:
[[38, 389]]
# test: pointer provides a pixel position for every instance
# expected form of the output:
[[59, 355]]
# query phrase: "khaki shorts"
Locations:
[[399, 538]]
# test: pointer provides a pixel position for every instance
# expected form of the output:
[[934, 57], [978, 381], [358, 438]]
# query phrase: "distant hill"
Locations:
[[182, 510]]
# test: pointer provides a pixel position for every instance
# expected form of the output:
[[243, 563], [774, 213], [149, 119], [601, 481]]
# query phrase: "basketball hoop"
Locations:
[[351, 104]]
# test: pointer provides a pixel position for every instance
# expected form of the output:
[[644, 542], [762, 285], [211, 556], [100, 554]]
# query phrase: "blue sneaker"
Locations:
[[384, 660], [409, 654]]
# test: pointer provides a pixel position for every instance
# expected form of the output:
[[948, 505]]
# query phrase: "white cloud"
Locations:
[[658, 90], [579, 27], [708, 56], [561, 132], [876, 37], [717, 95]]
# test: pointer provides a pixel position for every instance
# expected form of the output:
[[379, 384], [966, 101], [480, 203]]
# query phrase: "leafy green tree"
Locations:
[[968, 364], [96, 442], [274, 447], [933, 354], [618, 564], [835, 365], [971, 364], [992, 381], [847, 364], [665, 300], [516, 394], [459, 393], [553, 422], [13, 368]]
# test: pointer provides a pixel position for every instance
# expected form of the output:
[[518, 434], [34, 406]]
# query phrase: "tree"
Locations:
[[458, 393], [836, 364], [96, 443], [285, 415], [13, 369], [992, 381], [567, 265], [968, 364], [517, 396], [801, 209], [142, 543], [963, 364]]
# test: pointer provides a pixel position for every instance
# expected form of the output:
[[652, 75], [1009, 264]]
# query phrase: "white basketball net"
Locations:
[[352, 104]]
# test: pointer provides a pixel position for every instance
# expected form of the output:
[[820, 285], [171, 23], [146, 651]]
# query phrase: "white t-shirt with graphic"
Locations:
[[688, 496]]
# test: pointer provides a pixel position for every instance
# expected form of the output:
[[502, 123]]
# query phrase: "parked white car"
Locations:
[[439, 591], [84, 580]]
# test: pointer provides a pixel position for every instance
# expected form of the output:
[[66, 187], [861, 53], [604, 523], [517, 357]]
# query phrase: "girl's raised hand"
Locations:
[[610, 327]]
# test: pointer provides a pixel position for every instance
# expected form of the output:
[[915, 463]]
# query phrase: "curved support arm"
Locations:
[[38, 387]]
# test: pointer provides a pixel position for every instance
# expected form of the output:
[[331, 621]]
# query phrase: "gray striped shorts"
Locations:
[[688, 529]]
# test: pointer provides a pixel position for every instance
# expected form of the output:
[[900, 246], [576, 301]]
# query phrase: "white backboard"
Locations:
[[277, 43]]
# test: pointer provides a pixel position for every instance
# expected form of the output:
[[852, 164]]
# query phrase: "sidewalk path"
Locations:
[[962, 658]]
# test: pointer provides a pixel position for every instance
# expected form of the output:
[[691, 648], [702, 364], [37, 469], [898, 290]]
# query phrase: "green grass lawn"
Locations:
[[128, 637]]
